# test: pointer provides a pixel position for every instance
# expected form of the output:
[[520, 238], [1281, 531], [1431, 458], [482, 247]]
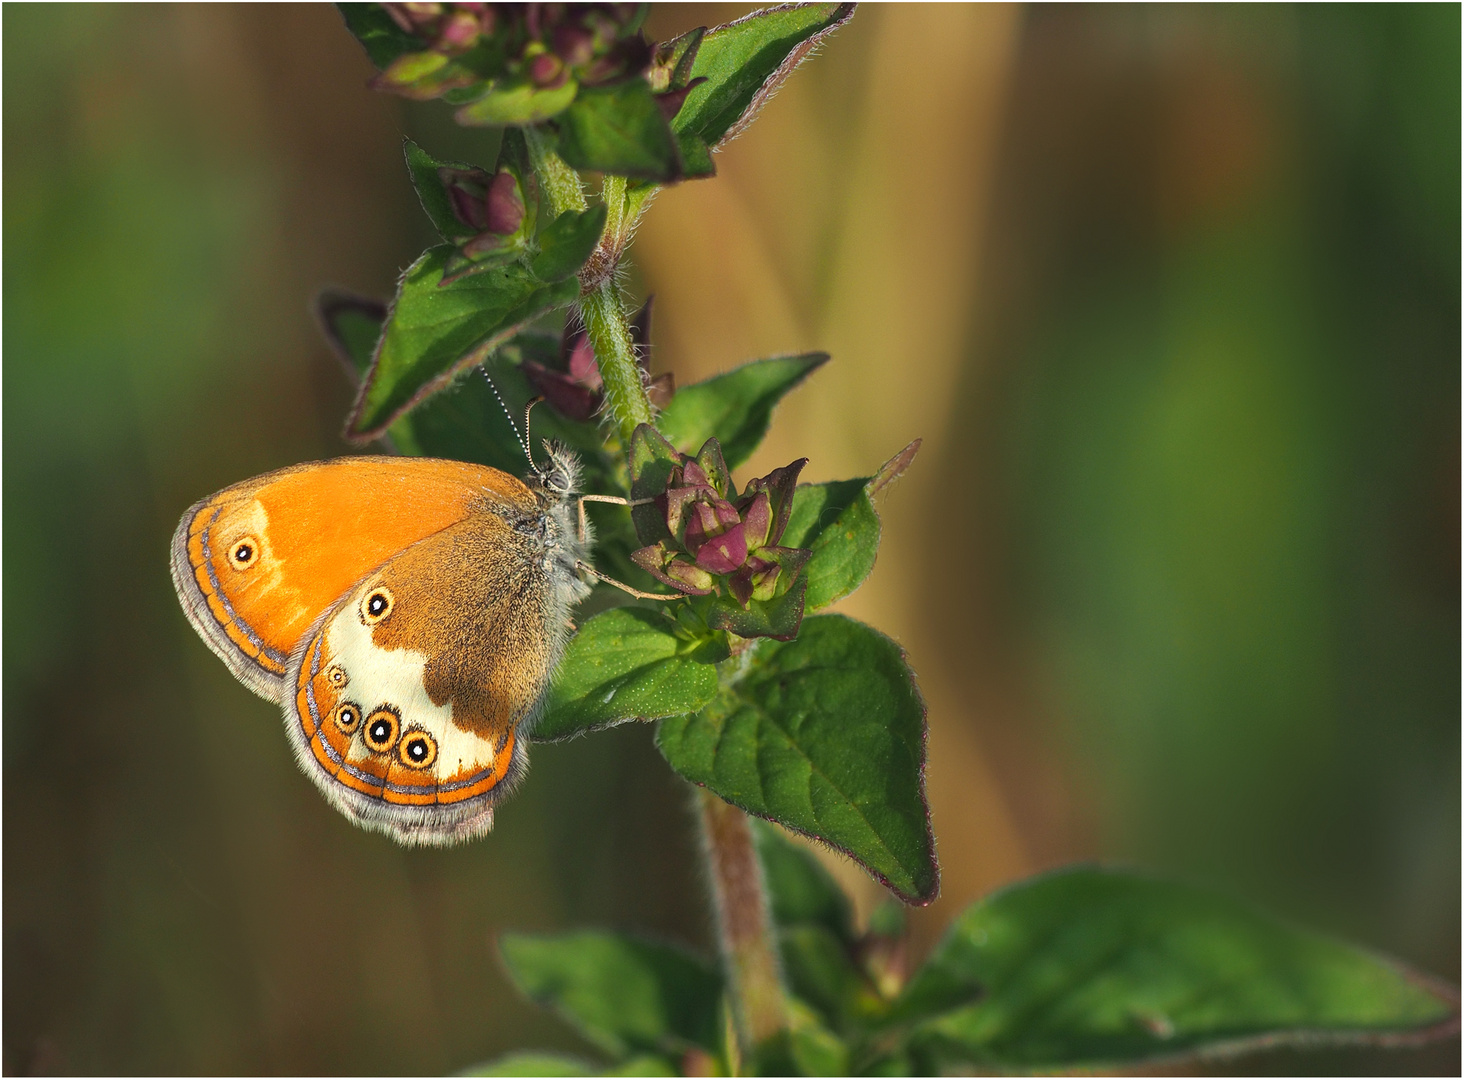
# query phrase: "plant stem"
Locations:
[[609, 333], [560, 184], [744, 924], [605, 317]]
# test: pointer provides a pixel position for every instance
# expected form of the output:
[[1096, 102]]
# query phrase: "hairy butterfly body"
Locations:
[[407, 614]]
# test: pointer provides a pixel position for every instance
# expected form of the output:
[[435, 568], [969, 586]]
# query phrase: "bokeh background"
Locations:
[[1172, 294]]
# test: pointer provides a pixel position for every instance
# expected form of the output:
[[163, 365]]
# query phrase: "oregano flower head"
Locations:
[[513, 63], [719, 542]]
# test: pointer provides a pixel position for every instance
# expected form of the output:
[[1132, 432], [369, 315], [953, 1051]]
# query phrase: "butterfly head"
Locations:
[[558, 476]]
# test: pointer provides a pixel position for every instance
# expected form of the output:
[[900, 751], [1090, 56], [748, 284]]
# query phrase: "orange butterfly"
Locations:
[[406, 612]]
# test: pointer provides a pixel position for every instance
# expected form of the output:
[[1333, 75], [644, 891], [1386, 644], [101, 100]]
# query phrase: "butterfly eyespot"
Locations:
[[382, 728], [417, 750], [244, 553], [347, 716], [336, 676], [377, 605]]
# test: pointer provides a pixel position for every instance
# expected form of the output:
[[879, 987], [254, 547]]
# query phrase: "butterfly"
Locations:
[[407, 613]]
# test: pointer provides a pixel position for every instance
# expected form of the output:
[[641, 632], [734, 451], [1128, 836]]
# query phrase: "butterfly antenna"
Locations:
[[523, 442]]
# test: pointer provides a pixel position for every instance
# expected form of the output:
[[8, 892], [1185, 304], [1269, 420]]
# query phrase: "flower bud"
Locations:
[[459, 33], [715, 536], [672, 569], [467, 191], [504, 205], [547, 71]]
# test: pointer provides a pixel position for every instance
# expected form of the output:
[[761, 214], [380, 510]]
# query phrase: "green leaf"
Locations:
[[535, 1063], [745, 62], [619, 129], [567, 242], [436, 330], [837, 521], [517, 103], [624, 995], [800, 889], [624, 664], [735, 407], [820, 970], [432, 194], [1088, 967], [804, 1048], [825, 735], [778, 618], [352, 326], [381, 37], [651, 460]]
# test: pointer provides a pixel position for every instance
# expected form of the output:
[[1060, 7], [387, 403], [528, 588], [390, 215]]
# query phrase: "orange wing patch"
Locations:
[[257, 563]]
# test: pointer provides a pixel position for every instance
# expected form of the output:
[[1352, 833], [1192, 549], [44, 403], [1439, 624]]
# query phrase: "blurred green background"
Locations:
[[1172, 293]]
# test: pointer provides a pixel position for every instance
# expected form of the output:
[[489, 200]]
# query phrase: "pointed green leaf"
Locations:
[[735, 407], [624, 664], [651, 460], [837, 521], [435, 331], [378, 34], [567, 242], [745, 62], [619, 129], [466, 422], [800, 889], [825, 735], [432, 194], [352, 325], [623, 994], [1089, 968]]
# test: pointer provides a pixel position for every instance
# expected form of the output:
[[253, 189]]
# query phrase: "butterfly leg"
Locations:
[[584, 527], [587, 568]]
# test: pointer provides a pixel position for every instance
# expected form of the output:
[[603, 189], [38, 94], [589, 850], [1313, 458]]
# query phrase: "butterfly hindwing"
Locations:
[[258, 563], [408, 699]]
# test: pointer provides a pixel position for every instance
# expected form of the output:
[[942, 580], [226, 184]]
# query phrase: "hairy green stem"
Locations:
[[561, 184], [744, 923], [605, 317], [609, 331]]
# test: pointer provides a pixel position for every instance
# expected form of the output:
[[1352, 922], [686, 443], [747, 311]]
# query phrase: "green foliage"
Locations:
[[736, 407], [1088, 967], [437, 329], [378, 34], [1085, 968], [567, 242], [824, 734], [619, 129], [743, 64], [624, 995], [838, 523], [625, 664], [820, 729]]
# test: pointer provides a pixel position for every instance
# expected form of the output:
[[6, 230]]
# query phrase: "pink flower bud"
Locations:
[[466, 191], [547, 71], [459, 33], [667, 567], [757, 518], [504, 206]]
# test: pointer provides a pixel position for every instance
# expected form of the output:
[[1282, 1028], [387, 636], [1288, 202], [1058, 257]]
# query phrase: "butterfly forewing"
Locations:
[[256, 564]]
